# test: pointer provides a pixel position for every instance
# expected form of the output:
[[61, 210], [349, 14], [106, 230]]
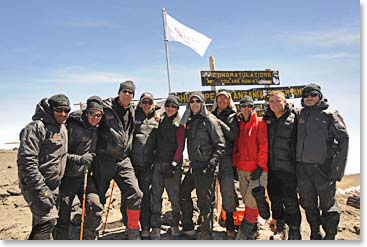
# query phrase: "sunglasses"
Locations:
[[310, 94], [170, 106], [95, 114], [147, 102], [59, 110], [195, 101], [246, 106], [127, 91]]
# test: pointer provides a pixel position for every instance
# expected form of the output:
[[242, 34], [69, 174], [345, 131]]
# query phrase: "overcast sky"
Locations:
[[85, 48]]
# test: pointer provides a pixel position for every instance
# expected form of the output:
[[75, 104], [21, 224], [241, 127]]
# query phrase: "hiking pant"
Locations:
[[313, 186], [204, 185], [43, 221], [143, 174], [172, 185], [123, 173], [71, 187], [282, 191], [246, 186], [226, 183]]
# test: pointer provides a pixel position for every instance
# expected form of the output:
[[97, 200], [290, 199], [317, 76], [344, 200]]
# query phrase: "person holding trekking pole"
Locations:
[[82, 140]]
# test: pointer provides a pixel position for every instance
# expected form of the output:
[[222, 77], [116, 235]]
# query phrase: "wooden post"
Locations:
[[218, 196]]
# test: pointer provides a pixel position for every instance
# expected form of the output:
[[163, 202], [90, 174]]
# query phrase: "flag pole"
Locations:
[[166, 48]]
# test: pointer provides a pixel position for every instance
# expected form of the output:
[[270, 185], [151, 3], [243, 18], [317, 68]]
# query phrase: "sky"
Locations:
[[85, 48]]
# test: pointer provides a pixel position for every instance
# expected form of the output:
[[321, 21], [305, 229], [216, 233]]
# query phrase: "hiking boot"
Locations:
[[155, 233], [145, 234], [231, 235], [247, 231], [175, 233], [294, 233], [329, 237], [204, 236], [133, 234], [190, 234], [315, 233]]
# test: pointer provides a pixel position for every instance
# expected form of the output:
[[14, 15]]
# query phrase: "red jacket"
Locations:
[[251, 145]]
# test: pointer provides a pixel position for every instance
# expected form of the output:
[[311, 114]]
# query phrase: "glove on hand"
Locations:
[[171, 169], [86, 160], [255, 174]]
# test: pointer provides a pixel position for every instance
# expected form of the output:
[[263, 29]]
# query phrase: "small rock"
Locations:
[[14, 191], [4, 193], [354, 201], [357, 229], [10, 167]]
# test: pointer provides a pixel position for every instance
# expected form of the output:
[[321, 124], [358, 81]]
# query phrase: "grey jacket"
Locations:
[[82, 140], [322, 139], [42, 151]]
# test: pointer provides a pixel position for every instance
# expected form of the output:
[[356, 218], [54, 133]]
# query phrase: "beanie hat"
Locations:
[[312, 88], [59, 100], [247, 100], [172, 100], [94, 102], [127, 85], [146, 95], [199, 95]]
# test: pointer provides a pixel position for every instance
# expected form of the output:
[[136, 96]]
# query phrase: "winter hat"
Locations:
[[172, 100], [59, 100], [127, 85], [312, 88], [199, 95], [146, 95], [247, 100], [94, 102]]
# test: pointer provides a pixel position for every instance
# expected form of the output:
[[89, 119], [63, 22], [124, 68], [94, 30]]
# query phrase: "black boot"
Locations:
[[230, 231], [247, 231], [315, 232], [330, 222], [294, 233], [263, 206]]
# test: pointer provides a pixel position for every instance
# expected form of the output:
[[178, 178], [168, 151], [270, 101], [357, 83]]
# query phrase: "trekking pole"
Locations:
[[83, 204], [108, 207]]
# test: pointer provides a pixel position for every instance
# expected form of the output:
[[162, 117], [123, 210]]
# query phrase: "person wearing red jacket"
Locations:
[[250, 157]]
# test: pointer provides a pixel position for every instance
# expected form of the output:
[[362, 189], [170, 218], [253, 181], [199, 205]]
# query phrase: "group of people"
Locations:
[[297, 155]]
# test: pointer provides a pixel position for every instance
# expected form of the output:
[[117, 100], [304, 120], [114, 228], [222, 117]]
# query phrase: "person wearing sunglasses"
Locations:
[[82, 128], [225, 110], [250, 157], [321, 154], [41, 162], [115, 136], [206, 147], [142, 155], [167, 170], [281, 122]]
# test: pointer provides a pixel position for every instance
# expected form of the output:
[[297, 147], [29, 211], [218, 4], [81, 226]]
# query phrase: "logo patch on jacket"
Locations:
[[56, 137]]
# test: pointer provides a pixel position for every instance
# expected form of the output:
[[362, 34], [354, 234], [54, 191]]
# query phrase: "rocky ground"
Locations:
[[15, 223]]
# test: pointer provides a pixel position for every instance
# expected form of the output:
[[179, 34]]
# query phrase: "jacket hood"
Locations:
[[231, 106], [44, 113], [188, 114], [81, 118]]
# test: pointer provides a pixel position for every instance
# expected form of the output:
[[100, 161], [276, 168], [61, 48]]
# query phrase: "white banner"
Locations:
[[175, 31]]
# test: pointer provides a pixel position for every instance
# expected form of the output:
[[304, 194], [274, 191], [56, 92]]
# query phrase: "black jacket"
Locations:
[[82, 139], [205, 139], [229, 125], [282, 140], [42, 151], [322, 139], [115, 138], [142, 153]]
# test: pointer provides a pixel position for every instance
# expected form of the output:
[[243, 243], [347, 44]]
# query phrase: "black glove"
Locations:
[[47, 200], [172, 169], [86, 160], [213, 166], [255, 174]]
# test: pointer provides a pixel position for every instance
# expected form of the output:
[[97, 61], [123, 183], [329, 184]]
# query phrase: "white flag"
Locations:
[[175, 31]]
